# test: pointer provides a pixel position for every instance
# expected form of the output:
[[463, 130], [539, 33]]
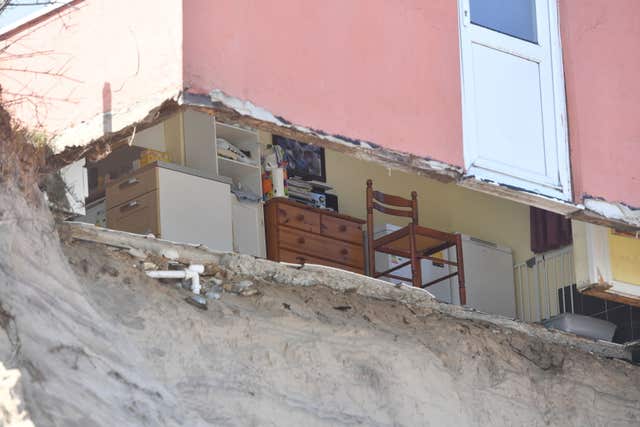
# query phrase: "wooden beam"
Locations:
[[610, 296]]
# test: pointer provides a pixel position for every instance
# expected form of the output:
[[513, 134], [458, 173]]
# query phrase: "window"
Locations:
[[515, 18]]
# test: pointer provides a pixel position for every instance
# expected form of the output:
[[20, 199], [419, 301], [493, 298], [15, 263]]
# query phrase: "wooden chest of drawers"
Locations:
[[132, 202], [301, 234]]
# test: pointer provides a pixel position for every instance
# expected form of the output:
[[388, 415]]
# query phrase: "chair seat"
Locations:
[[412, 242], [426, 243]]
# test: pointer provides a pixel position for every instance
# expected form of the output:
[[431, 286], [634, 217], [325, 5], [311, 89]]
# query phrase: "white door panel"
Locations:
[[513, 95]]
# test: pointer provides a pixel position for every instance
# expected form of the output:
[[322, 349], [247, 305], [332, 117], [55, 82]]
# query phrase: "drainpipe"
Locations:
[[192, 272]]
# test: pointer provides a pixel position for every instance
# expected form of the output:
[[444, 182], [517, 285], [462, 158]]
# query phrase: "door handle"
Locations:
[[132, 204], [129, 182], [466, 13]]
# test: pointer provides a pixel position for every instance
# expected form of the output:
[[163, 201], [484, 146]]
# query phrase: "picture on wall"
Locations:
[[305, 161]]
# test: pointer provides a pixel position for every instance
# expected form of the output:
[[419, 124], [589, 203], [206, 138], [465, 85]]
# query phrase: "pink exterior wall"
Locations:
[[378, 70], [383, 71], [601, 45], [91, 57]]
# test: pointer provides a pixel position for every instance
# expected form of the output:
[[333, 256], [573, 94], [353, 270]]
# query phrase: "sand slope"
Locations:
[[95, 342]]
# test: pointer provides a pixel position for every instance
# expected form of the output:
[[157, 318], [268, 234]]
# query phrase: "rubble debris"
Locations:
[[341, 281], [137, 253], [197, 301], [213, 295], [148, 266], [212, 270], [214, 281], [244, 287], [170, 254]]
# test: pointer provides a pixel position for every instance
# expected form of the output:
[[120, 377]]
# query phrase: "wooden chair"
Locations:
[[413, 241]]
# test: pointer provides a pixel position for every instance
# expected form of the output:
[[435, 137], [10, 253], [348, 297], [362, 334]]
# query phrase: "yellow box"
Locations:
[[150, 156]]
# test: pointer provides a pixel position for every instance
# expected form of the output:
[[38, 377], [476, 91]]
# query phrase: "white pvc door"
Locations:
[[513, 95]]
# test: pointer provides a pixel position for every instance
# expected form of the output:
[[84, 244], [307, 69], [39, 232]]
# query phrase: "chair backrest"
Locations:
[[390, 205]]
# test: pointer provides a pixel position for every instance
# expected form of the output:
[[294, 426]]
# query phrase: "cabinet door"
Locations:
[[195, 210], [199, 142], [513, 95], [248, 228]]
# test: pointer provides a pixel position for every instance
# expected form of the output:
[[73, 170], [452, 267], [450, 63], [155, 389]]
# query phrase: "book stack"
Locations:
[[311, 193]]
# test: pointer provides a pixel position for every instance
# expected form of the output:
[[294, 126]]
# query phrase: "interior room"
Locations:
[[195, 179]]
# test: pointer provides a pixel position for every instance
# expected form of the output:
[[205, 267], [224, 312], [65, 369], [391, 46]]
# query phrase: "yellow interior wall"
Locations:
[[625, 258], [446, 207], [173, 137]]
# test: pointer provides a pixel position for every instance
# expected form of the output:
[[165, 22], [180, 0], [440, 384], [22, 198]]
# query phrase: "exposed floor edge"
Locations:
[[112, 123], [69, 147], [338, 280], [554, 205], [236, 110], [613, 295], [616, 215]]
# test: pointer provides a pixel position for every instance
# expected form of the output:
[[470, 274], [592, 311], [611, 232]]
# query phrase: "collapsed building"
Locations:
[[215, 126]]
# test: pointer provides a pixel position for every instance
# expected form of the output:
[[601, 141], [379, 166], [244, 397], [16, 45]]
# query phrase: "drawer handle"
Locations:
[[301, 240], [344, 251], [132, 204], [300, 217], [129, 182], [301, 259], [342, 228]]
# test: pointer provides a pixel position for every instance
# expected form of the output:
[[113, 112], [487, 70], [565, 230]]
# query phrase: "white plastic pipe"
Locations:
[[192, 272]]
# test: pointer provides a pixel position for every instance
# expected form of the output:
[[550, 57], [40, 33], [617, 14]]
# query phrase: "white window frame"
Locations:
[[563, 191]]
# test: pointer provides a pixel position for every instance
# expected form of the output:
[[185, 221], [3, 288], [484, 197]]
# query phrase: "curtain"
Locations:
[[548, 230]]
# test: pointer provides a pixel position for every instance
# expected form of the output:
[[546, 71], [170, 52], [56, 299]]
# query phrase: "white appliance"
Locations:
[[488, 269]]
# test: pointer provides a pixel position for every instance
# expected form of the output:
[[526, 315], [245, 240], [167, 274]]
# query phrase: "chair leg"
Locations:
[[460, 261], [416, 270]]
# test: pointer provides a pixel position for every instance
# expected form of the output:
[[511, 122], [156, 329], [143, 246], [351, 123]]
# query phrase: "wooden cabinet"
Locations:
[[301, 234]]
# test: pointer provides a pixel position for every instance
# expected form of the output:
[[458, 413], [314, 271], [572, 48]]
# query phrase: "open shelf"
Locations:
[[246, 176], [238, 163]]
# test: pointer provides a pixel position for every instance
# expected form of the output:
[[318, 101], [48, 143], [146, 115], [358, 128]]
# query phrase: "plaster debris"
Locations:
[[149, 266], [137, 253], [244, 288], [171, 254], [373, 151], [93, 129], [615, 211]]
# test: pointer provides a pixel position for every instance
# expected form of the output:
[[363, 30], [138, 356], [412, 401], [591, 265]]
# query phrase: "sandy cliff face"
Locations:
[[96, 342]]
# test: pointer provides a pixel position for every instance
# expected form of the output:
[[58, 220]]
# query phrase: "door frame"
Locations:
[[564, 190]]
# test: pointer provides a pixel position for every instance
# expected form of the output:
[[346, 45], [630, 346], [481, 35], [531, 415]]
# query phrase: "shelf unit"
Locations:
[[201, 132], [245, 176]]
